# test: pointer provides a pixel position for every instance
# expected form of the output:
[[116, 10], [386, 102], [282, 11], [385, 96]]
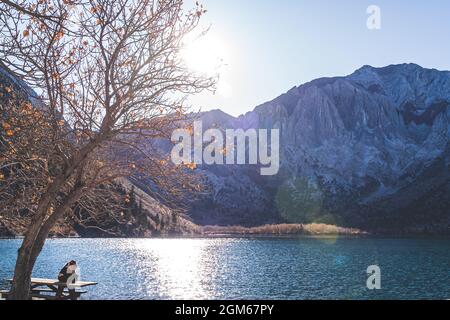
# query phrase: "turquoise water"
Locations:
[[304, 268]]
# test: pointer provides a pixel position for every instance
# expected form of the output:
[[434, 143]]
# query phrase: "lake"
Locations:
[[303, 268]]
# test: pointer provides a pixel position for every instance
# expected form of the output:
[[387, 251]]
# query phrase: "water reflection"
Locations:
[[179, 268]]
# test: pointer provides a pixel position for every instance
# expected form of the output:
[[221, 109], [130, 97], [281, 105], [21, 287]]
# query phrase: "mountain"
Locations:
[[369, 150]]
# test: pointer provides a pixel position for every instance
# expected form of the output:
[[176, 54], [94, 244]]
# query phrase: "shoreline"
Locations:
[[273, 231], [264, 236]]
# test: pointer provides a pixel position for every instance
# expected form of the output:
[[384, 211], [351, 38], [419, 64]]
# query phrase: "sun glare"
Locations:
[[208, 55], [205, 54]]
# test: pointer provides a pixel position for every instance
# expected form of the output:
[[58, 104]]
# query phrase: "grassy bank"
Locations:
[[282, 229]]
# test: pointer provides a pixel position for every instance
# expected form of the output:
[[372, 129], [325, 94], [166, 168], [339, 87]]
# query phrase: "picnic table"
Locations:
[[48, 289]]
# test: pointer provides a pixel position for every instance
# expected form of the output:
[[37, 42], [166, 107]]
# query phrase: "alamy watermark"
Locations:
[[74, 278], [193, 146], [374, 277], [374, 19]]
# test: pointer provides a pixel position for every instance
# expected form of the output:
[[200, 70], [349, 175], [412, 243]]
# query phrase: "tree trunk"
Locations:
[[32, 246], [25, 261], [20, 288], [51, 221], [39, 228]]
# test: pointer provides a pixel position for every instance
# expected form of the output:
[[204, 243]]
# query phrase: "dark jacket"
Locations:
[[63, 276]]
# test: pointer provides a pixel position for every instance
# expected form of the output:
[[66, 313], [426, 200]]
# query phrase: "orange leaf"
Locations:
[[192, 165]]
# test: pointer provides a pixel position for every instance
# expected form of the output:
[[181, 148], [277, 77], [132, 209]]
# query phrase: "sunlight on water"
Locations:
[[178, 265]]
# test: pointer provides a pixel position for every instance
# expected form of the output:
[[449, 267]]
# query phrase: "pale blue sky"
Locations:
[[271, 46]]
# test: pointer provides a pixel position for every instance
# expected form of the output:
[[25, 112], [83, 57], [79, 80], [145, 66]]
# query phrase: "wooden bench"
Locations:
[[48, 289], [37, 290], [43, 293], [4, 294]]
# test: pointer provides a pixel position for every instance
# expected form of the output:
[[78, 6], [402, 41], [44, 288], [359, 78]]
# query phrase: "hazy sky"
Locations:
[[268, 47]]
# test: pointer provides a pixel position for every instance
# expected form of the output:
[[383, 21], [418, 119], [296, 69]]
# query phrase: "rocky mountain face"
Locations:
[[369, 150]]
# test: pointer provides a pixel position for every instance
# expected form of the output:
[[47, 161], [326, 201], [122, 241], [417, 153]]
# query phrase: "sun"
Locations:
[[208, 55], [205, 54]]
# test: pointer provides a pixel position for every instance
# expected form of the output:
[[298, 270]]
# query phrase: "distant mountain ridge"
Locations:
[[368, 150]]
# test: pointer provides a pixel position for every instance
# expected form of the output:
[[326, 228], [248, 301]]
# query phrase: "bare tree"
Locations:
[[45, 11], [109, 76]]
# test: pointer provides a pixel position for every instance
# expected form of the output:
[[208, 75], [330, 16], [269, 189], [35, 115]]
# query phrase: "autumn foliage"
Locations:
[[106, 83]]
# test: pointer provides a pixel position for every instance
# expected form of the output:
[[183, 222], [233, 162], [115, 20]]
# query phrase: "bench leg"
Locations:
[[73, 295], [59, 292]]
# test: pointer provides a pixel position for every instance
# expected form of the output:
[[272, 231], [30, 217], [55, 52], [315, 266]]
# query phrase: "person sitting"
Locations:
[[64, 275]]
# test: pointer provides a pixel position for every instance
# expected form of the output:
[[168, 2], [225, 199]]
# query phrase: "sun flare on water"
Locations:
[[179, 266]]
